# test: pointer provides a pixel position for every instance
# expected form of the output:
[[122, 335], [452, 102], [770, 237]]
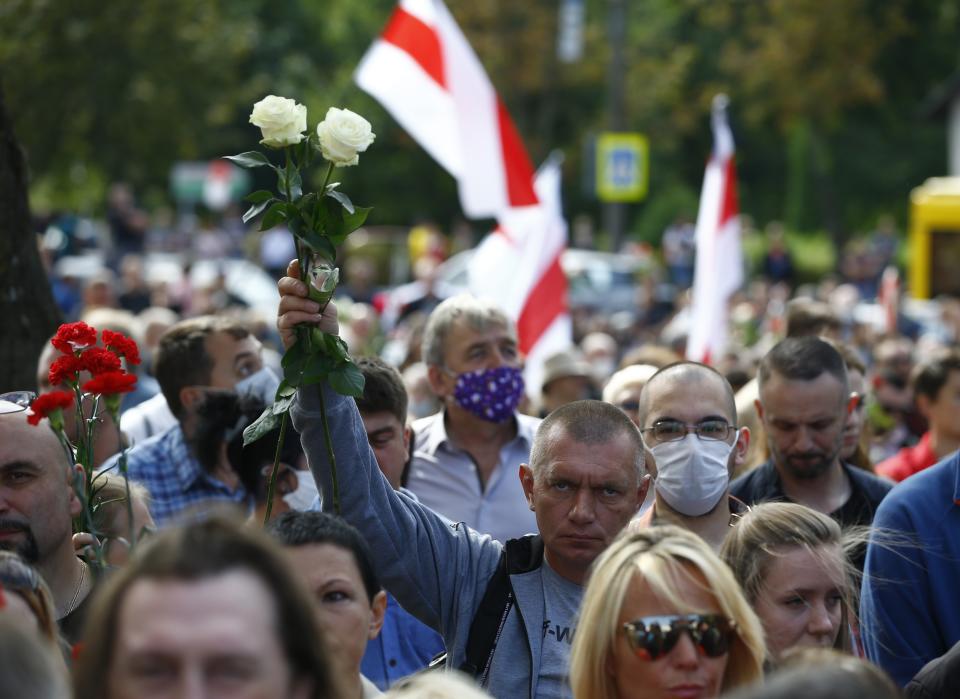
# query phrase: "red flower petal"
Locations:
[[46, 403], [122, 345], [111, 383], [98, 360], [64, 368], [72, 337]]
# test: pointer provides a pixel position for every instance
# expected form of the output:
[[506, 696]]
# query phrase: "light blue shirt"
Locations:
[[446, 480]]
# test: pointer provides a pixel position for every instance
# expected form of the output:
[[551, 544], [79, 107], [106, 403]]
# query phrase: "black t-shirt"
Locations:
[[763, 484]]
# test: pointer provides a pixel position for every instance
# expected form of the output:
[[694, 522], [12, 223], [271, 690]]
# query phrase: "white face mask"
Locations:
[[263, 384], [692, 473], [304, 495]]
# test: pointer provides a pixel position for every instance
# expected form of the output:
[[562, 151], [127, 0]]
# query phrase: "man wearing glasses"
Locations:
[[688, 420]]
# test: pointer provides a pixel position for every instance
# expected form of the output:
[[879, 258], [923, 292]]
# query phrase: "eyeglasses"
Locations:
[[653, 637], [17, 400], [673, 430]]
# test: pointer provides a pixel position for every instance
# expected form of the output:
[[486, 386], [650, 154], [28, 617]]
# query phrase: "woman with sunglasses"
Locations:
[[662, 616], [790, 562]]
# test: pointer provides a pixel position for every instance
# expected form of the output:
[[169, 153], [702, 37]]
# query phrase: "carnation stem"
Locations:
[[276, 467]]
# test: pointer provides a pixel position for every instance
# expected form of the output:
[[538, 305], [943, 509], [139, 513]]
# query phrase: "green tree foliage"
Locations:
[[826, 96]]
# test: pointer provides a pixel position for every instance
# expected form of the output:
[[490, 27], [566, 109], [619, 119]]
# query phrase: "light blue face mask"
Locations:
[[261, 384], [692, 473]]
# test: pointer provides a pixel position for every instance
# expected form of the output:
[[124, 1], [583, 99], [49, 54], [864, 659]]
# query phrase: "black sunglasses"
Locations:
[[654, 636]]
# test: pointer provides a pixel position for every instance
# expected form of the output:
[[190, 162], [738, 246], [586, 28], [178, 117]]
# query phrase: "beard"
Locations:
[[806, 465], [27, 549]]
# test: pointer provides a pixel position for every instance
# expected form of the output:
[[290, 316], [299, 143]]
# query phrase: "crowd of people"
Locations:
[[637, 526]]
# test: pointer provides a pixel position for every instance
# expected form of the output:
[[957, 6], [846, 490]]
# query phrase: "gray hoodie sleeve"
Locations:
[[437, 570]]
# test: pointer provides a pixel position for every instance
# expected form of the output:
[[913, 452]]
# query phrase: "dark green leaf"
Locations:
[[259, 196], [340, 223], [296, 185], [255, 210], [347, 380], [318, 368], [261, 426], [275, 214], [251, 158], [342, 198]]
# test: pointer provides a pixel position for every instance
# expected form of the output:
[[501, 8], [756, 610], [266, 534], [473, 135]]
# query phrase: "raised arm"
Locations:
[[437, 570]]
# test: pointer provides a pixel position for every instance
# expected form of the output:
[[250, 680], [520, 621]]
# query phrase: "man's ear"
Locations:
[[741, 446], [642, 490], [923, 405], [438, 380], [407, 433], [759, 406], [190, 397], [526, 482], [379, 609]]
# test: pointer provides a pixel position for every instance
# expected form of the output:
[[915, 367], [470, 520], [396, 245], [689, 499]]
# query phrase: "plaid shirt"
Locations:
[[175, 480]]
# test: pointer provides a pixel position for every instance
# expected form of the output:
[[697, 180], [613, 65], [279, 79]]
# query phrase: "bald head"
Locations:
[[683, 377]]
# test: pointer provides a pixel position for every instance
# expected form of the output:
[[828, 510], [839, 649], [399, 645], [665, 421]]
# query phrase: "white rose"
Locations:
[[281, 120], [342, 135]]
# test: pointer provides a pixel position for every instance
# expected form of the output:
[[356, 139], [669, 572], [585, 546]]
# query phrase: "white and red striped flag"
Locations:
[[424, 72], [719, 259]]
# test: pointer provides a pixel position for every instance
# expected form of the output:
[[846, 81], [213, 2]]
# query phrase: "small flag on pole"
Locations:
[[718, 269]]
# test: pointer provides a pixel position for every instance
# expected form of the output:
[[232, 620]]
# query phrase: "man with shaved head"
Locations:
[[688, 420], [37, 504]]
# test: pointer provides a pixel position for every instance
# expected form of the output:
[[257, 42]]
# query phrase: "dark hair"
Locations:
[[383, 389], [802, 359], [182, 359], [305, 528], [18, 576], [931, 375], [195, 552], [806, 317], [585, 422], [693, 369], [221, 419]]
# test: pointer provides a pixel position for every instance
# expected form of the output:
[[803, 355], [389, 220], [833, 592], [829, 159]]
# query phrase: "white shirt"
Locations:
[[146, 419], [446, 480]]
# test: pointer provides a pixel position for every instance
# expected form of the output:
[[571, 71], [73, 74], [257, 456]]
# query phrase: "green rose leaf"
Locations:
[[275, 214], [260, 427], [318, 367], [255, 210], [343, 199], [296, 184], [341, 223], [259, 196], [285, 390], [347, 380], [282, 405], [249, 159]]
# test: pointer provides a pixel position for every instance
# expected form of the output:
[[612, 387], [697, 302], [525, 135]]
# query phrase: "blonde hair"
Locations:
[[437, 685], [660, 555], [762, 534]]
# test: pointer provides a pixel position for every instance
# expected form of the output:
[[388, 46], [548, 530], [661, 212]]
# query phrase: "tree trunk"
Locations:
[[28, 314]]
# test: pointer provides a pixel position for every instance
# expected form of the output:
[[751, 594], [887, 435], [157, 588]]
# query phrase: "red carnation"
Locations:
[[98, 360], [64, 369], [74, 336], [111, 383], [122, 345], [47, 404]]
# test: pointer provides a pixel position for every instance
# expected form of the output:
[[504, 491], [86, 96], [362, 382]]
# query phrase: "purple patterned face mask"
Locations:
[[490, 394]]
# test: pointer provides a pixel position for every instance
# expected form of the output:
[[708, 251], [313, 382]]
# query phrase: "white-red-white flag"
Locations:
[[719, 258], [424, 72]]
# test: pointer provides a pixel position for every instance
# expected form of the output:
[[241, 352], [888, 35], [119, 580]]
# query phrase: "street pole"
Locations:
[[615, 213]]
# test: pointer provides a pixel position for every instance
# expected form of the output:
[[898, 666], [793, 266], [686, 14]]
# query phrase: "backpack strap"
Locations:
[[519, 556]]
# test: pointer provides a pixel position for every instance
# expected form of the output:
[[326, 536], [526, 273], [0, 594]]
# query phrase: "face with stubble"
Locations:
[[804, 422]]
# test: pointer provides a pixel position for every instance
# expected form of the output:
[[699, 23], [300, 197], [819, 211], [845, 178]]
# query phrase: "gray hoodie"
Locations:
[[437, 570]]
